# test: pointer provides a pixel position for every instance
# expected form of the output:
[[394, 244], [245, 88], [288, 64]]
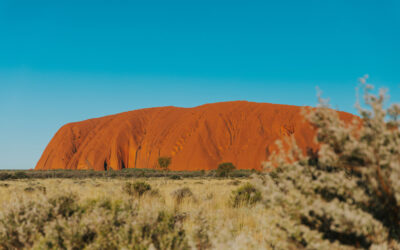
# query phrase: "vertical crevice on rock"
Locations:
[[136, 154], [105, 165]]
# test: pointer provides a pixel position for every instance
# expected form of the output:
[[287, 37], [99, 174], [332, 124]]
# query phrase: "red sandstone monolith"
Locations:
[[196, 138]]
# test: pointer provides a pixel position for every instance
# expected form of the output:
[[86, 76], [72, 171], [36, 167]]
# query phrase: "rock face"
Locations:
[[195, 138]]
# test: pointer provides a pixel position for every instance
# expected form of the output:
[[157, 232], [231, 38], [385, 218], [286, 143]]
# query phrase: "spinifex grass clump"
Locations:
[[245, 195], [137, 189], [182, 194], [349, 190], [200, 235]]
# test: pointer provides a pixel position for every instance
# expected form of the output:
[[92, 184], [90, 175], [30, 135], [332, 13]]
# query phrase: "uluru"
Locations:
[[196, 138]]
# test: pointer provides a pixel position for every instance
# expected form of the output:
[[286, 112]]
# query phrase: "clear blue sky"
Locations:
[[64, 61]]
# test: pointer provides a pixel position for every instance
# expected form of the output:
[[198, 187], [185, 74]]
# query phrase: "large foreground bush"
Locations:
[[348, 191]]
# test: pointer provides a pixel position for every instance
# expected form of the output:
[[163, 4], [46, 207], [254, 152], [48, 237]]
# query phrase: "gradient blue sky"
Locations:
[[64, 61]]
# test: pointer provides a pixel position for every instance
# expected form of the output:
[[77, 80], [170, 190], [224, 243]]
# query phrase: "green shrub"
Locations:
[[245, 195], [141, 174], [225, 169], [20, 175], [65, 205], [5, 176], [137, 188], [164, 162], [165, 234], [111, 173], [175, 177]]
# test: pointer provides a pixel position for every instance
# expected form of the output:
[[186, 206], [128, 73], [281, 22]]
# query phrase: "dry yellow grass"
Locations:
[[228, 227]]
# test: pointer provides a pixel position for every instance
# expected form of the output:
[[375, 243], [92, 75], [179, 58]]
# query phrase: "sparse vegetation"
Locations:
[[95, 214], [124, 173], [61, 222]]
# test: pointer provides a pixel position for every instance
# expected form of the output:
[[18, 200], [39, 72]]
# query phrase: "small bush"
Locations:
[[5, 176], [175, 177], [235, 182], [141, 174], [29, 189], [65, 205], [165, 234], [181, 194], [245, 195], [163, 162], [137, 188], [225, 169], [42, 189]]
